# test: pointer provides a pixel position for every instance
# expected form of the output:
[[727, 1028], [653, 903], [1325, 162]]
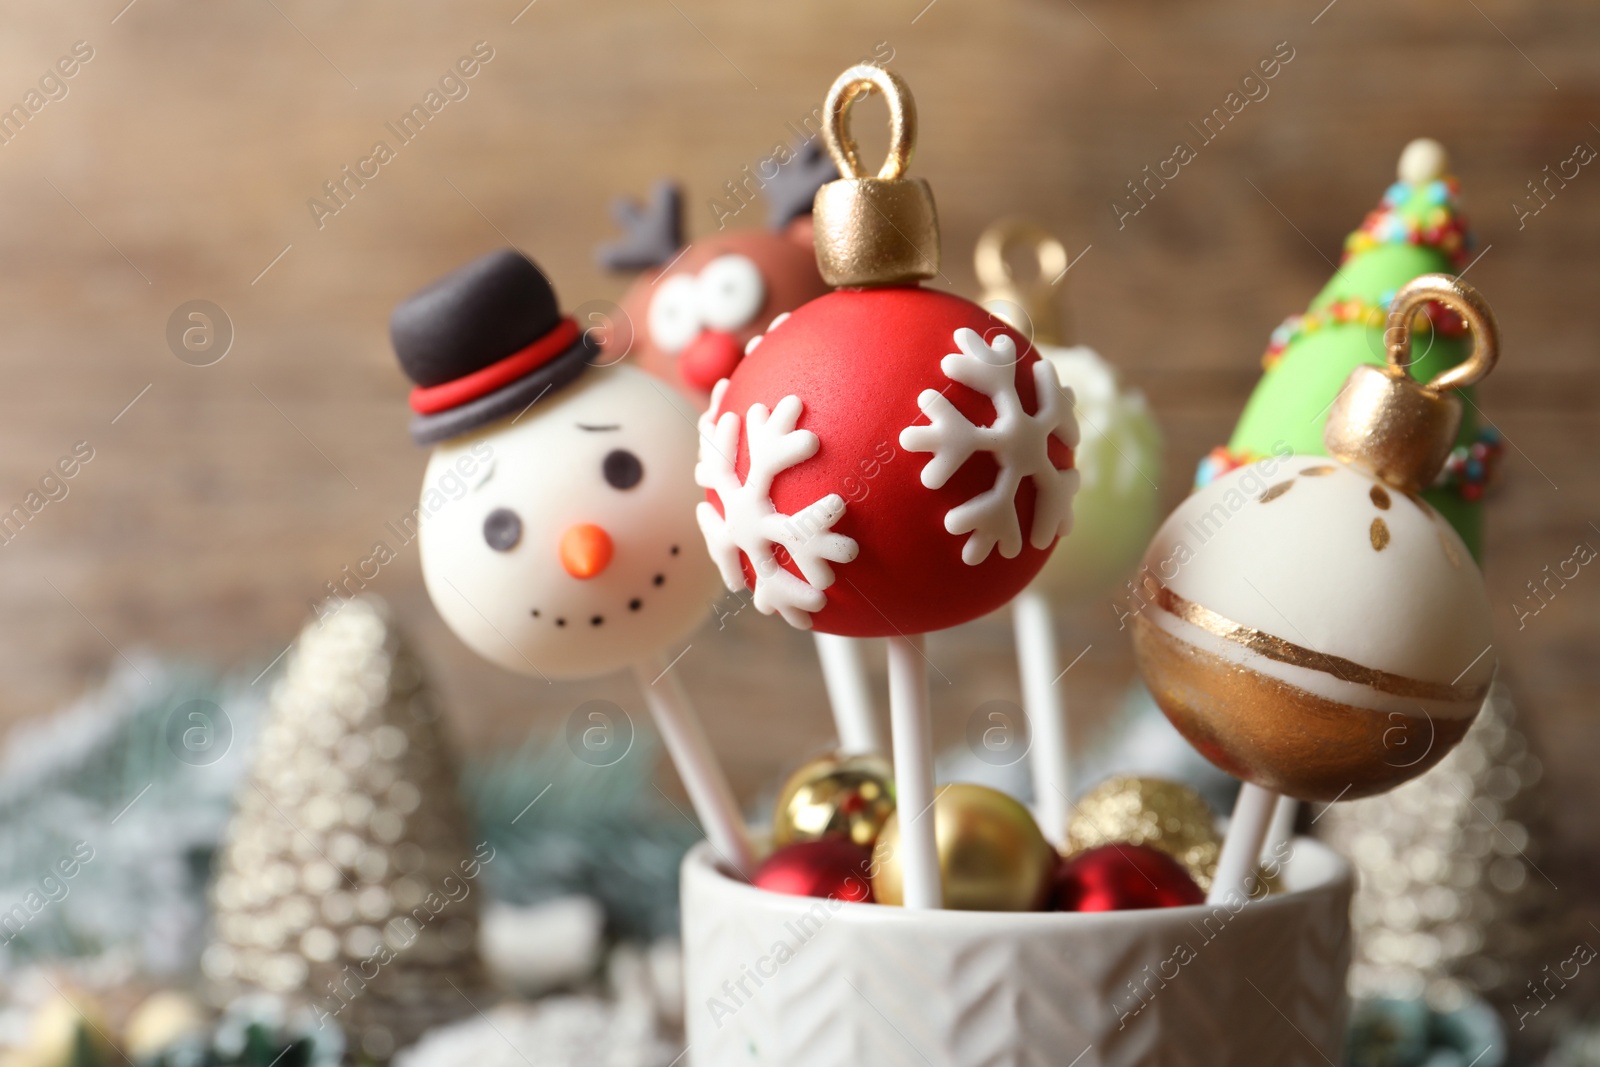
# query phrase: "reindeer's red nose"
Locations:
[[709, 358]]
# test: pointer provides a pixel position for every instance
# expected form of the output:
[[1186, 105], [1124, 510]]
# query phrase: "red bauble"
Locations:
[[836, 868], [1123, 877], [858, 360]]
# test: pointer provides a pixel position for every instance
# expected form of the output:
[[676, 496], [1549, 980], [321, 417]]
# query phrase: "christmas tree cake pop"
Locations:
[[558, 531], [1417, 229], [886, 460], [1313, 626]]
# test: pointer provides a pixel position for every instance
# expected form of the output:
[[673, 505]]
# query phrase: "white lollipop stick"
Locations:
[[1241, 849], [1045, 706], [845, 675], [913, 772], [697, 765], [1281, 832]]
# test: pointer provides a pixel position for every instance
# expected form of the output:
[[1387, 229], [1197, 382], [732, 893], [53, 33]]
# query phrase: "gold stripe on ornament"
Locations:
[[1276, 648]]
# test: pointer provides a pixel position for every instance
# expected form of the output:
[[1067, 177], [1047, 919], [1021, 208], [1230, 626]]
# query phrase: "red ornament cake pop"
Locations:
[[886, 459], [696, 307]]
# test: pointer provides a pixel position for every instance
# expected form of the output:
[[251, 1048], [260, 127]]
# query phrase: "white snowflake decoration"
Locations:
[[1019, 443], [751, 525]]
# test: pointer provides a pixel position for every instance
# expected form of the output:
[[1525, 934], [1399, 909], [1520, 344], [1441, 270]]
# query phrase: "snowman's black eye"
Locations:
[[622, 469], [502, 530]]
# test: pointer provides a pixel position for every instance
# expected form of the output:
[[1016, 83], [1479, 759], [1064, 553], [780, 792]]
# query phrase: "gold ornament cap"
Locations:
[[874, 231], [1390, 425], [1027, 306]]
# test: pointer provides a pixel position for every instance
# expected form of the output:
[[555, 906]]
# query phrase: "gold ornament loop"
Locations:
[[854, 84], [1463, 299], [1028, 306], [1392, 426]]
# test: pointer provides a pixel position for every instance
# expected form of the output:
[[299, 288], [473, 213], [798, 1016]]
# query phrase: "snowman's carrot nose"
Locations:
[[586, 550]]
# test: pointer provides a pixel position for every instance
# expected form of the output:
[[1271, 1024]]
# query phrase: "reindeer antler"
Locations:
[[652, 233], [792, 190]]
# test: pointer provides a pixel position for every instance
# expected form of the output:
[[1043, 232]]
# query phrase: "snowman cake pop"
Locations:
[[1118, 458], [571, 552], [1313, 626], [886, 460]]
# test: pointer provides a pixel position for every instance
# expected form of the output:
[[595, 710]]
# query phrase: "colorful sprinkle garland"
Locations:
[[1338, 313], [1352, 311], [1472, 468], [1220, 461], [1469, 471], [1424, 215], [1416, 214]]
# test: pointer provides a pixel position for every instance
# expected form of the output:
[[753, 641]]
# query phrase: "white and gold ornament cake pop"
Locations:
[[1312, 625]]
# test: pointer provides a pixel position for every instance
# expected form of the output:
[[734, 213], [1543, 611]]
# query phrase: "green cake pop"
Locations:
[[1416, 229]]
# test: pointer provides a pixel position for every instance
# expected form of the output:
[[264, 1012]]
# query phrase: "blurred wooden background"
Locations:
[[179, 165]]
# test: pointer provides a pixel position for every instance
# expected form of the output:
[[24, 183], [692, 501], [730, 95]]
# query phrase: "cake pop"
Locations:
[[1313, 626], [694, 307], [1417, 228], [886, 460], [569, 550], [1114, 512]]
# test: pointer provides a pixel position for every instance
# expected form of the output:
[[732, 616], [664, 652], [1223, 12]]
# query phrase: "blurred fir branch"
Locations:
[[143, 771], [604, 832]]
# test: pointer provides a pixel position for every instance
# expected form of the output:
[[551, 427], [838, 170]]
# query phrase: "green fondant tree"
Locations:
[[1416, 230]]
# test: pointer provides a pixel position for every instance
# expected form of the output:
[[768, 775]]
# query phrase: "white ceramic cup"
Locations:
[[803, 982]]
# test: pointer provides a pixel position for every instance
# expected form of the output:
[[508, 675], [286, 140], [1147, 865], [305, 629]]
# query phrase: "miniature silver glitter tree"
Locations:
[[1449, 884], [347, 881]]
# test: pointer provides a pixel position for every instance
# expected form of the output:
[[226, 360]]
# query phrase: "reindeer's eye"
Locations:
[[731, 291], [674, 313]]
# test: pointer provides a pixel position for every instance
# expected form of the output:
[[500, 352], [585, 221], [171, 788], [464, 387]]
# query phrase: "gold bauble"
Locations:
[[992, 856], [58, 1027], [1149, 811], [835, 796], [160, 1021]]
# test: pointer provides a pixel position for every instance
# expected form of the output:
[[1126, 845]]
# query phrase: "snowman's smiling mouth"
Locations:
[[634, 605]]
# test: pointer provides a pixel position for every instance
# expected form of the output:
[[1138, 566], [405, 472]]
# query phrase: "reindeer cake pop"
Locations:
[[886, 460], [696, 307], [571, 551]]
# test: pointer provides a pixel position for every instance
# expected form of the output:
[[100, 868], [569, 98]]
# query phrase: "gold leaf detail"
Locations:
[[1274, 492], [1380, 497], [1380, 535], [1318, 471]]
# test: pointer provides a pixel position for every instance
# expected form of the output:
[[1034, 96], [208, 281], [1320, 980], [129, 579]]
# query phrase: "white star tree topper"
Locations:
[[1019, 443], [751, 525]]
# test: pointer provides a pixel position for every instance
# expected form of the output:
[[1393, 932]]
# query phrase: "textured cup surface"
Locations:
[[788, 981]]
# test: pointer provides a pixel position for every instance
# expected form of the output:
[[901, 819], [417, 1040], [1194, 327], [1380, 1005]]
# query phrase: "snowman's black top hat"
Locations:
[[483, 342]]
